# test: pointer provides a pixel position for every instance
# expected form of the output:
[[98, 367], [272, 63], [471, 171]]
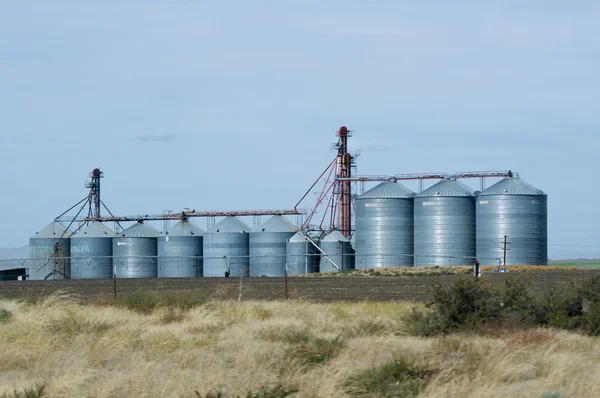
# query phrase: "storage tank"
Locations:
[[445, 225], [91, 252], [226, 249], [518, 210], [134, 252], [339, 250], [302, 256], [46, 261], [268, 247], [180, 251], [384, 227]]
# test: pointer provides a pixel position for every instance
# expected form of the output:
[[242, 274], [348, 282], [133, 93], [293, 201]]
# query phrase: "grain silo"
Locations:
[[226, 249], [384, 227], [302, 256], [268, 247], [445, 225], [91, 252], [180, 251], [517, 210], [134, 252], [338, 250], [50, 252]]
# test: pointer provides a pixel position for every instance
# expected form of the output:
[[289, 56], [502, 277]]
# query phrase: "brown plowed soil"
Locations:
[[324, 289]]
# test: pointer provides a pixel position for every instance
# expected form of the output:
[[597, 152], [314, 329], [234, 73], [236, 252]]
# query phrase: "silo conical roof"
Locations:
[[94, 229], [229, 225], [446, 188], [139, 230], [388, 190], [298, 237], [185, 228], [52, 230], [511, 186], [335, 236], [276, 224]]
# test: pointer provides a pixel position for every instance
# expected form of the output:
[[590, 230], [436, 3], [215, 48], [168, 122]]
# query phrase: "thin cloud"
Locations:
[[51, 139], [157, 137]]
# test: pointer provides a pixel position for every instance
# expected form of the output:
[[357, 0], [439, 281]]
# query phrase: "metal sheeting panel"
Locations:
[[387, 190], [44, 263], [339, 250], [523, 218], [384, 232], [268, 247], [134, 257], [512, 186], [268, 253], [235, 246], [91, 251], [229, 238], [179, 256], [444, 230], [302, 257]]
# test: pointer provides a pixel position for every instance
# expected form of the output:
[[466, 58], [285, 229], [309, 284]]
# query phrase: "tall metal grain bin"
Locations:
[[384, 227], [339, 250], [226, 249], [180, 251], [134, 252], [45, 262], [302, 257], [268, 247], [518, 210], [91, 252], [445, 225]]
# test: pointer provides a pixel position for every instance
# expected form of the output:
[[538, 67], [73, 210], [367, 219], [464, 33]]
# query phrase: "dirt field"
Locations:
[[324, 289]]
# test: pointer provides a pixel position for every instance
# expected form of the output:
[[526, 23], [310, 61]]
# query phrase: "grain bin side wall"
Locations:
[[444, 231], [523, 218], [268, 253], [301, 258], [41, 262], [233, 245], [180, 256], [91, 258], [340, 253], [384, 233], [135, 257]]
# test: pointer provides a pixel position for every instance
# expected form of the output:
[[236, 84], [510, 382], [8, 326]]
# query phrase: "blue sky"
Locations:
[[233, 105]]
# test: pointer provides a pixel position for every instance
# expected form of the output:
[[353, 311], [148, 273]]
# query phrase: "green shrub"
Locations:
[[5, 315], [142, 301], [32, 392], [399, 378], [315, 351]]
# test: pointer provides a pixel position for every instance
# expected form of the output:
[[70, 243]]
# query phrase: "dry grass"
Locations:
[[306, 349], [435, 270]]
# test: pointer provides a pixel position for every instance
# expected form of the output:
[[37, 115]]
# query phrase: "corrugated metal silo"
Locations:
[[302, 257], [91, 252], [268, 247], [180, 251], [384, 227], [134, 252], [445, 225], [44, 263], [339, 250], [226, 248], [518, 210]]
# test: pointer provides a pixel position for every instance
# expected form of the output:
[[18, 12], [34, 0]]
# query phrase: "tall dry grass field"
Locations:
[[58, 347]]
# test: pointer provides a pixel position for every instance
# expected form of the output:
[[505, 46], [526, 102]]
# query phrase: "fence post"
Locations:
[[286, 281]]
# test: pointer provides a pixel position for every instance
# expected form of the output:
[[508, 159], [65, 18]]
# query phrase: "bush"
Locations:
[[464, 305], [399, 378], [31, 392], [468, 304], [5, 315], [142, 301]]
